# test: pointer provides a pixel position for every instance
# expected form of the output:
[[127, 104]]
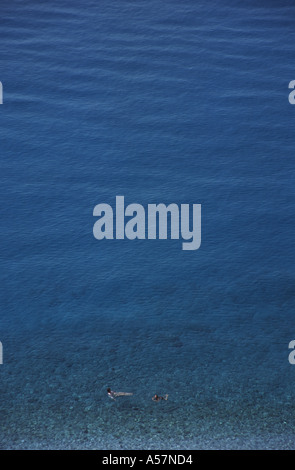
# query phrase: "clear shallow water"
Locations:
[[171, 102]]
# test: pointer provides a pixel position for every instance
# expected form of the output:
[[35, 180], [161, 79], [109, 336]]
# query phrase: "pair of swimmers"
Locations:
[[114, 395]]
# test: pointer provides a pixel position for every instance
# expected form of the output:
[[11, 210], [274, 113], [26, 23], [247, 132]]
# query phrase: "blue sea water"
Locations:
[[183, 102]]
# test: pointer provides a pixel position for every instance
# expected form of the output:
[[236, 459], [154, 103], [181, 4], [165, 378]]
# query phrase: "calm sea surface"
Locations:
[[177, 101]]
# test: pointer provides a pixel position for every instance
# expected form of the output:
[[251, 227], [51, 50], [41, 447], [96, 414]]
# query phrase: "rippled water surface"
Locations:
[[183, 102]]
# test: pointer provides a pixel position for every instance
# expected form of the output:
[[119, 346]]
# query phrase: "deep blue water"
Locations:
[[183, 102]]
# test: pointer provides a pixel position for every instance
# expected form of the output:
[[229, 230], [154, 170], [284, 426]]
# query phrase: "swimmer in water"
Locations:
[[158, 397], [114, 395]]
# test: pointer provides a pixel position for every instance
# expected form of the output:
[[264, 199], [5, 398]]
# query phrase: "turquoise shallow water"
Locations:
[[159, 102]]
